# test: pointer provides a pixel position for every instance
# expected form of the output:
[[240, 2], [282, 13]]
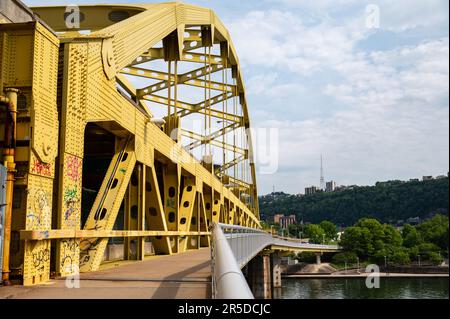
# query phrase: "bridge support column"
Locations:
[[318, 261], [259, 277], [276, 270]]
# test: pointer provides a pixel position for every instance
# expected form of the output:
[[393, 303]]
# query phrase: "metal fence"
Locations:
[[228, 282], [246, 243], [2, 213], [233, 247]]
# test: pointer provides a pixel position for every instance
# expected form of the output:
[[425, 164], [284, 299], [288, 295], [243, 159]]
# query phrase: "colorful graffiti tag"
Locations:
[[44, 169], [73, 167]]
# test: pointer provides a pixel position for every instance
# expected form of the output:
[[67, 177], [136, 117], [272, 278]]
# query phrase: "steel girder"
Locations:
[[176, 197]]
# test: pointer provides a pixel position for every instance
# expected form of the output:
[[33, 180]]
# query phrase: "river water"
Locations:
[[355, 288]]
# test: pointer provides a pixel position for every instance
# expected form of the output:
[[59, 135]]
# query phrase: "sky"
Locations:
[[364, 83]]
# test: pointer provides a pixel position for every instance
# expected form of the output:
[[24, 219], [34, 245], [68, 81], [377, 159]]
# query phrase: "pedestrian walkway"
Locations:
[[180, 276]]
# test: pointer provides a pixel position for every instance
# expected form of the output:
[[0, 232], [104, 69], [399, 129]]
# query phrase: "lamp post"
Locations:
[[323, 239], [345, 267], [418, 257], [357, 261], [385, 264]]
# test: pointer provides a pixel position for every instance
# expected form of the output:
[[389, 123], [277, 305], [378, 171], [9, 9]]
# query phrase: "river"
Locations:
[[355, 288]]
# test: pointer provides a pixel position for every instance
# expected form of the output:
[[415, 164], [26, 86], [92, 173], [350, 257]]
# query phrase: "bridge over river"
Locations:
[[125, 134], [195, 274]]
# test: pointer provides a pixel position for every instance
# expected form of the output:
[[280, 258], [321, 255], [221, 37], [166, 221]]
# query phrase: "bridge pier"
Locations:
[[276, 270], [318, 261], [259, 278]]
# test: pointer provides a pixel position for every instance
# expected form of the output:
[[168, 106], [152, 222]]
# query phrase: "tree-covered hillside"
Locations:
[[387, 202]]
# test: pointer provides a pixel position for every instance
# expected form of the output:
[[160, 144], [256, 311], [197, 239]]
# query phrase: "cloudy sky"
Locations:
[[373, 99]]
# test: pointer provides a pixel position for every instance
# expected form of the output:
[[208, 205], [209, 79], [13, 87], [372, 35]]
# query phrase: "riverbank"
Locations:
[[363, 275], [326, 270]]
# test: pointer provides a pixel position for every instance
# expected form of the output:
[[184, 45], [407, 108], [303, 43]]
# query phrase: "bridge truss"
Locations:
[[132, 126]]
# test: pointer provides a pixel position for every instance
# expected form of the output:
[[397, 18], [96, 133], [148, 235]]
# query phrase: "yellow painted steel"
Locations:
[[29, 62], [155, 213], [107, 203], [106, 74]]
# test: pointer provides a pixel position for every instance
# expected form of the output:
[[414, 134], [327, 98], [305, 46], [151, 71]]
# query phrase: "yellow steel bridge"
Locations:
[[121, 126], [131, 124]]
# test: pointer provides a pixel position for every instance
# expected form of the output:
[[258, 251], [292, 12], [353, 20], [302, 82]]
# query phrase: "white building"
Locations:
[[330, 186]]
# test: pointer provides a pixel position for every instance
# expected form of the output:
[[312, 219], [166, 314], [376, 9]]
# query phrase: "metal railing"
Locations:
[[246, 243], [233, 247], [228, 282]]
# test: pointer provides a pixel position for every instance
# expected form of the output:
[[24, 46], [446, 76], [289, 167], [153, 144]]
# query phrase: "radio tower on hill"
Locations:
[[322, 180]]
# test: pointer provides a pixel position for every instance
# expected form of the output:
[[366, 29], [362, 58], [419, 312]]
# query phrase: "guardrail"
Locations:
[[233, 247], [228, 282]]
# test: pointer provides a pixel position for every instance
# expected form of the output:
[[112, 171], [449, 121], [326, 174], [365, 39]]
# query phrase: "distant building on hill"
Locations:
[[413, 221], [276, 218], [284, 221], [441, 177], [427, 178], [310, 190], [330, 186]]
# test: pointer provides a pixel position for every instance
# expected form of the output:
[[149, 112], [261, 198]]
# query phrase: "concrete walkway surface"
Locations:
[[180, 276]]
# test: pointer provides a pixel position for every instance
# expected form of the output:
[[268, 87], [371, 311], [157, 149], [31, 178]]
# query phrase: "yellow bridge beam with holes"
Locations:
[[94, 164]]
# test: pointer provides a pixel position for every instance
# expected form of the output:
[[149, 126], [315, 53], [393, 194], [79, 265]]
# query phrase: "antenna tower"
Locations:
[[322, 180]]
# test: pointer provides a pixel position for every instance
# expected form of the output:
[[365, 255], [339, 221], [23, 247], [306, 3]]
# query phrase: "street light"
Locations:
[[357, 261], [323, 239], [385, 264], [418, 256]]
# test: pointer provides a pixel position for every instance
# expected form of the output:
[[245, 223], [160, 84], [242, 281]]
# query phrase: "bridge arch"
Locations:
[[165, 82], [140, 42]]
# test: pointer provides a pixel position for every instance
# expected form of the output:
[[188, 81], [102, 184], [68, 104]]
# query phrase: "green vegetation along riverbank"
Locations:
[[386, 201]]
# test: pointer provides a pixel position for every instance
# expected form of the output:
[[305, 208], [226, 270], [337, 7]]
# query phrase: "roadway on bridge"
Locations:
[[180, 276]]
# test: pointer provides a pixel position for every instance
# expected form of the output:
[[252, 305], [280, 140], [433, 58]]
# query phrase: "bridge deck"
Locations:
[[182, 276]]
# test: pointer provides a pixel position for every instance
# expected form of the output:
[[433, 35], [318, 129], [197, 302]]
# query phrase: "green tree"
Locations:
[[357, 240], [265, 225], [315, 233], [330, 229], [344, 257], [435, 258], [399, 255], [369, 238], [276, 227], [411, 236], [435, 231], [387, 202], [293, 230]]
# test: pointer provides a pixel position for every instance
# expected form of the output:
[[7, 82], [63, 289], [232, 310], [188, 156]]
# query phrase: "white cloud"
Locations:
[[398, 15], [401, 15], [394, 123], [280, 39]]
